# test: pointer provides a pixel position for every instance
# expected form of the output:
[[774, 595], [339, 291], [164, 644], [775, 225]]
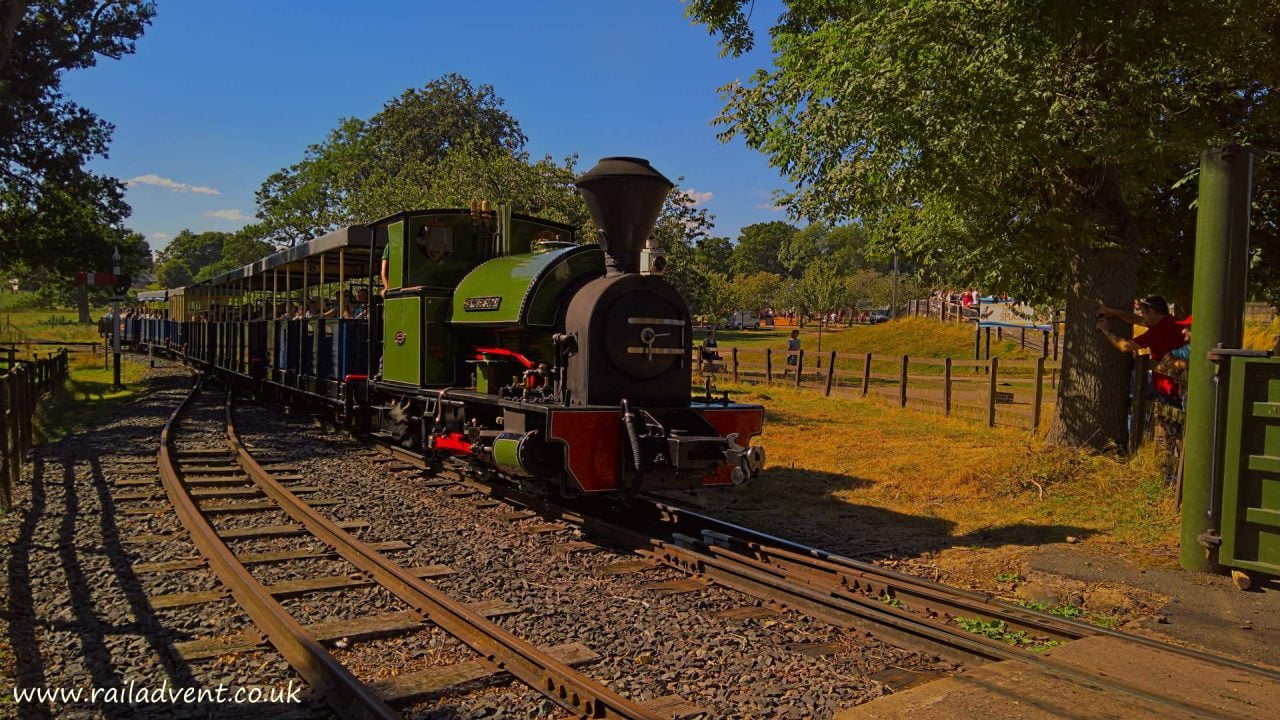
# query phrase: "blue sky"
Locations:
[[221, 94]]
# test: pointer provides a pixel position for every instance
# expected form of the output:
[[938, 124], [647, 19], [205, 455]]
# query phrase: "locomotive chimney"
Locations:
[[624, 195]]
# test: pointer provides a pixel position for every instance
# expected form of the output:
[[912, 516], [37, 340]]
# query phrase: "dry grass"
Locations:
[[919, 337], [855, 475], [1260, 335]]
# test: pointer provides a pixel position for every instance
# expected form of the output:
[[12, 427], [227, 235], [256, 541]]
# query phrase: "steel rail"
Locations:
[[836, 605], [847, 571], [342, 691], [499, 648]]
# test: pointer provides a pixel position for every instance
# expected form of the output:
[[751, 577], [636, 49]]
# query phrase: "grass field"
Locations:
[[87, 397], [919, 337], [861, 477]]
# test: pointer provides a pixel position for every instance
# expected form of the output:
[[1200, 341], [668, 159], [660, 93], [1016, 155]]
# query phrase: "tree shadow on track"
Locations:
[[77, 613]]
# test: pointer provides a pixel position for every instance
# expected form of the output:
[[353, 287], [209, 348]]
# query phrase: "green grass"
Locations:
[[87, 397]]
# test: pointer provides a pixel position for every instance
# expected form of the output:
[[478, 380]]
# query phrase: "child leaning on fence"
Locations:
[[793, 348]]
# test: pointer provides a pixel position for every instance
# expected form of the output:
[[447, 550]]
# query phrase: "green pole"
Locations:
[[1217, 299]]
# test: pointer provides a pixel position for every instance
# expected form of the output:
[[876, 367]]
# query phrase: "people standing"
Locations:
[[1164, 334], [793, 349]]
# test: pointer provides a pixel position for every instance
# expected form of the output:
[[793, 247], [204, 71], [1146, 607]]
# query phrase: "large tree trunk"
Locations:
[[11, 13], [1093, 394], [82, 303]]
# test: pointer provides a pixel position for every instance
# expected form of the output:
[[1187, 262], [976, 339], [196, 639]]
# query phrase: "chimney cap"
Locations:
[[622, 165]]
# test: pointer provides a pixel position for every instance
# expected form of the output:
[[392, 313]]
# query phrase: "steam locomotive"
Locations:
[[500, 341]]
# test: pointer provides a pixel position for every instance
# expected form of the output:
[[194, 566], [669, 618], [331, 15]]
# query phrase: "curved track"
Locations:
[[345, 693]]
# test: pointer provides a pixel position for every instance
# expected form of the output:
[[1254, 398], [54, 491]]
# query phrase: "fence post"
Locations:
[[6, 455], [902, 384], [799, 365], [1039, 395], [831, 372], [988, 343], [1138, 413], [1023, 338], [866, 375], [946, 387], [768, 365], [991, 393], [735, 364]]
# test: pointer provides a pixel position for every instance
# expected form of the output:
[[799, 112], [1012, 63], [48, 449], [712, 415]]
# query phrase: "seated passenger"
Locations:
[[357, 306]]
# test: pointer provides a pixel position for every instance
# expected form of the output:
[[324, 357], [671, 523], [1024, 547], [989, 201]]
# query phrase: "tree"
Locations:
[[1038, 145], [196, 257], [822, 291], [758, 290], [867, 289], [718, 298], [45, 139], [714, 254], [759, 247], [677, 230], [355, 173], [237, 250]]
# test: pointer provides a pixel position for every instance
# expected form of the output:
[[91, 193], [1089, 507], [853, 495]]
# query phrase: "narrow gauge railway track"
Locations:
[[347, 695], [897, 607]]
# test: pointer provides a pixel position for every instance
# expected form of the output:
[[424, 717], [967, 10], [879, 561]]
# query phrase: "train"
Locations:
[[482, 336]]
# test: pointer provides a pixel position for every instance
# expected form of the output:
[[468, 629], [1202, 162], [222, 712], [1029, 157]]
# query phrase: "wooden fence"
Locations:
[[996, 391], [21, 386]]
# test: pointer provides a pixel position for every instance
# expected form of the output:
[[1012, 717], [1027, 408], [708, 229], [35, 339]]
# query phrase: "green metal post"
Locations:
[[1218, 295]]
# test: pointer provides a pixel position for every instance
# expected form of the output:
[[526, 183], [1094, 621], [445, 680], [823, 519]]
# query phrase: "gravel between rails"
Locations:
[[75, 613], [651, 644]]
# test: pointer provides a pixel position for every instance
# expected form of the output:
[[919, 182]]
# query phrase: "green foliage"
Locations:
[[1008, 577], [1006, 131], [195, 257], [1065, 610], [1043, 148], [714, 254], [890, 601], [758, 290], [717, 297], [54, 212], [759, 246], [999, 630], [365, 167]]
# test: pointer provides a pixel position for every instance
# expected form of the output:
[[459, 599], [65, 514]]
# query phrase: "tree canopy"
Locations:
[[56, 216], [1044, 146], [194, 257]]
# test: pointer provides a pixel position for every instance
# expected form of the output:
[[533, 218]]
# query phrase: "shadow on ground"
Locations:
[[805, 505]]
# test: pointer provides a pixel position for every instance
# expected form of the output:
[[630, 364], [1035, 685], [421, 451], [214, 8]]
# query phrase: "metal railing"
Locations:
[[21, 386]]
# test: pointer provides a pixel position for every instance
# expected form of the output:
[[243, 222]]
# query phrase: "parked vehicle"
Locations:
[[742, 320]]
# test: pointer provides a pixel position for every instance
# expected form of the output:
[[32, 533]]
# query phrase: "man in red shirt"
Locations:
[[1163, 335]]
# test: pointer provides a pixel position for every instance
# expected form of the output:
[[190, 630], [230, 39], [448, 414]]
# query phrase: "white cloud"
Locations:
[[228, 214], [770, 207], [160, 236], [174, 185], [698, 198]]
